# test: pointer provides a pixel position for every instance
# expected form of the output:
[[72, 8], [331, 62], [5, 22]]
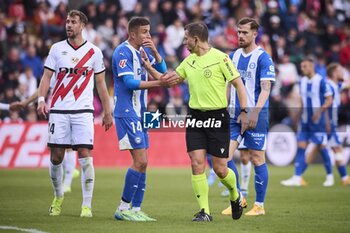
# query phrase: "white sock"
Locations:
[[297, 178], [69, 163], [136, 209], [345, 177], [87, 179], [260, 204], [56, 173], [330, 176], [245, 174], [123, 205]]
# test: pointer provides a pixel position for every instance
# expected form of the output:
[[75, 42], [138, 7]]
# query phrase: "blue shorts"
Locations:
[[254, 139], [333, 138], [131, 134], [318, 137]]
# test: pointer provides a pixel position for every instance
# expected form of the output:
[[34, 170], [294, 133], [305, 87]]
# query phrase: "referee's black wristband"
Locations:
[[244, 110]]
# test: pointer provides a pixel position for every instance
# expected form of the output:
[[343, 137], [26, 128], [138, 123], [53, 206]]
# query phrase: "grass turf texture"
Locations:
[[25, 196]]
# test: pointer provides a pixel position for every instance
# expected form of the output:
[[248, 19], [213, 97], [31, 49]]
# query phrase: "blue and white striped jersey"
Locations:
[[333, 109], [313, 94], [253, 68], [126, 60]]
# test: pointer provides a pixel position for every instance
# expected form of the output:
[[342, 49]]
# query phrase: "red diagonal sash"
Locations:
[[60, 90]]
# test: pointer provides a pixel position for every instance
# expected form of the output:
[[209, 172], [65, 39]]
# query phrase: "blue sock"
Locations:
[[261, 181], [140, 192], [326, 160], [130, 185], [231, 164], [300, 163], [209, 161], [342, 171]]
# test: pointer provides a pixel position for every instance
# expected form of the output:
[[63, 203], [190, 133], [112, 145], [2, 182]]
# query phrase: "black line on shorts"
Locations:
[[71, 111], [86, 146], [53, 145]]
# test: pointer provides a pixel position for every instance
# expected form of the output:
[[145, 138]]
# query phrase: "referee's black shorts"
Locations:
[[203, 131]]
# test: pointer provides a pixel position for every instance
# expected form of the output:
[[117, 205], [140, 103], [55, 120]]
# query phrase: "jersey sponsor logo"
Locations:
[[64, 53], [75, 74], [122, 63], [245, 75]]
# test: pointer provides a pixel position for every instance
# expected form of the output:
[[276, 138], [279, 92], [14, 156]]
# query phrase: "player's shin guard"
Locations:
[[69, 163], [131, 183], [87, 180], [201, 190], [326, 160], [231, 164], [140, 192], [56, 173], [261, 181], [230, 182], [300, 163]]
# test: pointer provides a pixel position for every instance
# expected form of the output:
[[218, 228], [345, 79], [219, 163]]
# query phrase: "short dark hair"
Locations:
[[331, 68], [136, 22], [198, 29], [80, 14], [309, 59], [254, 25]]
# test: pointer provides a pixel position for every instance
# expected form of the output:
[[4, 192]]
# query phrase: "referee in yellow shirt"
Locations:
[[207, 71]]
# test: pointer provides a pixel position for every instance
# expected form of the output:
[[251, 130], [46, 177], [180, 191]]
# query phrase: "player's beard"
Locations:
[[71, 34], [242, 45]]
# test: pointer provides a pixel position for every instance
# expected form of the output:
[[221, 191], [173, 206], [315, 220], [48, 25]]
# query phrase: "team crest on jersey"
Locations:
[[122, 63], [252, 65], [75, 60], [207, 73]]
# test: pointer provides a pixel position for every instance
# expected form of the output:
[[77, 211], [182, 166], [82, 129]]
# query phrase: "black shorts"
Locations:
[[208, 130]]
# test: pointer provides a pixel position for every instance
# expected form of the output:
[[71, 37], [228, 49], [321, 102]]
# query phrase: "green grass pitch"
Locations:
[[25, 196]]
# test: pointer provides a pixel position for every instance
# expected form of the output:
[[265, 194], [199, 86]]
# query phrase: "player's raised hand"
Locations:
[[107, 121], [148, 43], [145, 61], [42, 109]]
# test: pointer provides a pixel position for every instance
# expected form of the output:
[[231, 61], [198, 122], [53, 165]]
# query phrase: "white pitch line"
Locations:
[[21, 229]]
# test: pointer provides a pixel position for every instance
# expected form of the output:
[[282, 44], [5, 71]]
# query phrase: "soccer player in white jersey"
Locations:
[[130, 93], [334, 79], [257, 72], [75, 62], [316, 99]]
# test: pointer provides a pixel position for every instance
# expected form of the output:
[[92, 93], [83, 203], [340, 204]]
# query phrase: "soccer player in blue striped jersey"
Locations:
[[257, 71], [334, 79], [130, 94], [316, 98]]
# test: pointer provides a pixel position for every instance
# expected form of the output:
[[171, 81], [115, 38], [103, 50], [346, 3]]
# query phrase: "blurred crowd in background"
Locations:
[[291, 30]]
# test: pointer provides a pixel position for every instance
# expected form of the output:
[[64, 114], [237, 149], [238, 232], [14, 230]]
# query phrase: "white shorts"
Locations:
[[71, 130]]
